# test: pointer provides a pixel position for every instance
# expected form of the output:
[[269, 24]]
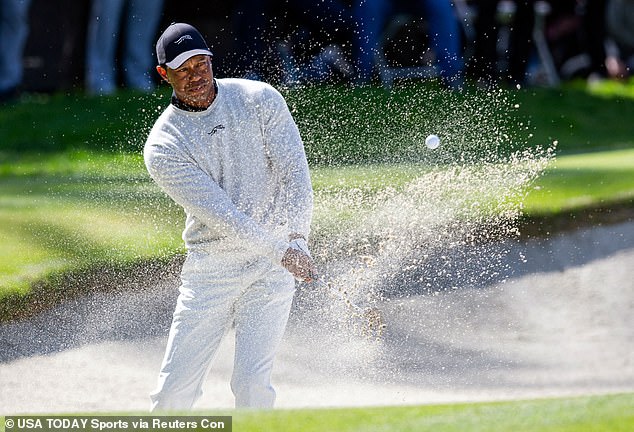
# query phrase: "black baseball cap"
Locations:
[[178, 43]]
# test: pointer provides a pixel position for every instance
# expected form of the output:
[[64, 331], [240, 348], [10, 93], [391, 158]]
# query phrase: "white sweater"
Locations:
[[238, 169]]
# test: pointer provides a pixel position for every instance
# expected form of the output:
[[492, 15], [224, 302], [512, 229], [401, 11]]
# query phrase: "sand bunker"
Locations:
[[560, 323]]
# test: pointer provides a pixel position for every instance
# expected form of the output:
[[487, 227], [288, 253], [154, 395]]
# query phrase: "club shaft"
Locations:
[[328, 287]]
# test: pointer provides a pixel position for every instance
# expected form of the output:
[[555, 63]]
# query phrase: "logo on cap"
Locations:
[[182, 38]]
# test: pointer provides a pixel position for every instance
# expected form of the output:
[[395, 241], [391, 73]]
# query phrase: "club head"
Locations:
[[374, 322]]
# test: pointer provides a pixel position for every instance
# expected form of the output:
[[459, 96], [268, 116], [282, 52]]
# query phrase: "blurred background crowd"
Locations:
[[100, 46]]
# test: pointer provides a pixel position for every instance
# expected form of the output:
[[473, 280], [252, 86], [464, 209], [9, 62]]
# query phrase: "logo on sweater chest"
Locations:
[[215, 129]]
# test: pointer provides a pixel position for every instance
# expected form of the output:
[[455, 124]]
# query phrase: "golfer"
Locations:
[[228, 152]]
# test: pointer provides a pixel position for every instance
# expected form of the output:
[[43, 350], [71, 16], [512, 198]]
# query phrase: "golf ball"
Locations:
[[432, 141]]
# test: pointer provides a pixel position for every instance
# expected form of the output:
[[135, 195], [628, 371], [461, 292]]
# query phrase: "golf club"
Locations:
[[374, 324]]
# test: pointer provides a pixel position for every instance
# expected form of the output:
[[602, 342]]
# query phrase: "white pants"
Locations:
[[219, 290]]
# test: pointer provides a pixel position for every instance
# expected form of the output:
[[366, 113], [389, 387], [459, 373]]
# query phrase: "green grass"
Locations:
[[346, 125], [63, 122], [580, 118], [605, 413], [588, 180], [611, 413], [75, 211]]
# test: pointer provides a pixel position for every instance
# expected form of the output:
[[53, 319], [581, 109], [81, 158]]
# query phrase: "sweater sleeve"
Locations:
[[286, 151], [191, 187]]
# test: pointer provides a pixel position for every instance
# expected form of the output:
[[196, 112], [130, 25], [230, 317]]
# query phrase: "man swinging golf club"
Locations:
[[228, 152]]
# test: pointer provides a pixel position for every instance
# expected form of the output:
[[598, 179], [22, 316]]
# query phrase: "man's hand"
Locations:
[[299, 264]]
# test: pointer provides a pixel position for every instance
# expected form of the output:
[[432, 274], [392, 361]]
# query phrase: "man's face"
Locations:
[[192, 81]]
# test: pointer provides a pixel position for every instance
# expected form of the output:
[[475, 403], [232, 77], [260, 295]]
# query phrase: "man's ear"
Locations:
[[162, 72]]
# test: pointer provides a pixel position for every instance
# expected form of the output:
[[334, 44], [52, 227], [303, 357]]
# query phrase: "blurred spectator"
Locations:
[[317, 45], [14, 28], [139, 30], [563, 27], [594, 35], [252, 28], [620, 28], [489, 63], [291, 41], [577, 36], [372, 16]]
